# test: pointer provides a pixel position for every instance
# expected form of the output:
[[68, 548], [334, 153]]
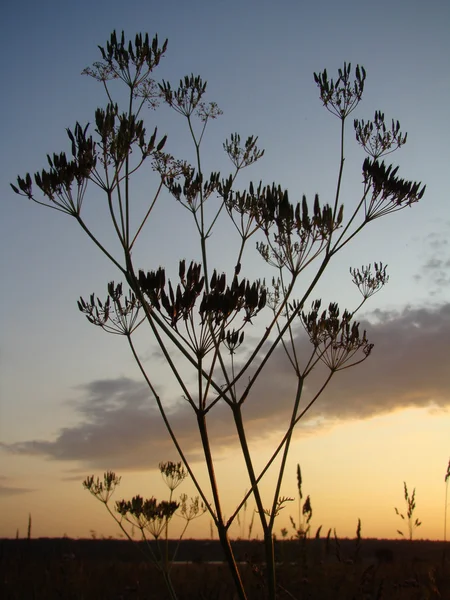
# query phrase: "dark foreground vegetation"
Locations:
[[313, 569]]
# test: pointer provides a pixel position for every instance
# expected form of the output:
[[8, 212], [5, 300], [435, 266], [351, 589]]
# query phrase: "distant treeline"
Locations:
[[210, 550]]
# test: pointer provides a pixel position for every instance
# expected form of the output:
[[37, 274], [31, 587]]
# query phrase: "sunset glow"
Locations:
[[72, 399]]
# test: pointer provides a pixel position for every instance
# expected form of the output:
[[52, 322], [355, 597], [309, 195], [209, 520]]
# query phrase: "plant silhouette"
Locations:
[[204, 314]]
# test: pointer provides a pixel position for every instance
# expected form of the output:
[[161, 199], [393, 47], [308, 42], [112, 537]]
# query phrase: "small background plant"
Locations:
[[410, 508], [447, 478], [304, 510], [150, 516]]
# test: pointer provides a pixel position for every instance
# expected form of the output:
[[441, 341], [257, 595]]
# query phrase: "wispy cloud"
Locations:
[[434, 270], [7, 490], [121, 428]]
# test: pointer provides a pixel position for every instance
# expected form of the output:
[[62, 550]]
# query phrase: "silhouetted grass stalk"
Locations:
[[447, 478], [410, 508]]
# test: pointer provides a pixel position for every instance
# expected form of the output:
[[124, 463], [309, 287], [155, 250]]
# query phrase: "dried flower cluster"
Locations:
[[336, 339]]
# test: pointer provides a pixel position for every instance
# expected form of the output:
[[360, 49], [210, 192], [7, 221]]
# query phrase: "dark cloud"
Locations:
[[408, 367], [120, 426]]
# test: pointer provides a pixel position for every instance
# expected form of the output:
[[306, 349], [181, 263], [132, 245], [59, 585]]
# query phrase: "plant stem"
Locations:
[[221, 528], [267, 528], [445, 511]]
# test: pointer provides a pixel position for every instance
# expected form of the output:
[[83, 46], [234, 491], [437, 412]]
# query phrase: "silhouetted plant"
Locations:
[[244, 531], [204, 314], [357, 552], [148, 515], [337, 546], [328, 543], [410, 506], [447, 478], [304, 526], [304, 510], [173, 475]]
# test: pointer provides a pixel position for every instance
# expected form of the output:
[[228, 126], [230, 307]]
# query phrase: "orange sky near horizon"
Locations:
[[339, 496], [73, 401]]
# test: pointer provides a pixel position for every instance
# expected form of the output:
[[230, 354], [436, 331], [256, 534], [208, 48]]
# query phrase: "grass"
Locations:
[[110, 569]]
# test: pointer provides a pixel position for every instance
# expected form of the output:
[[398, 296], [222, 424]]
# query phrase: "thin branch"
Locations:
[[169, 428]]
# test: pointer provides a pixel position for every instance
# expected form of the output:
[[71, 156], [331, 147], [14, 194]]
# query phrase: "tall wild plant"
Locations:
[[204, 314]]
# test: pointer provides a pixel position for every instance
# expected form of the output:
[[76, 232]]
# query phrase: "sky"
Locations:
[[72, 400]]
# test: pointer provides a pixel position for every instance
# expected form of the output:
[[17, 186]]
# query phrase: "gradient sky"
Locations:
[[64, 381]]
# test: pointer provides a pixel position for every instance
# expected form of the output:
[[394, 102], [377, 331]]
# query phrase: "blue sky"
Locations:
[[258, 59]]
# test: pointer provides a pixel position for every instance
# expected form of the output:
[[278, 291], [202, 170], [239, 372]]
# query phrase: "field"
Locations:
[[315, 569]]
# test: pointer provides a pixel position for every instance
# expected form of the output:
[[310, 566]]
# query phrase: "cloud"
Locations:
[[407, 368], [12, 491], [435, 268], [6, 490], [120, 427]]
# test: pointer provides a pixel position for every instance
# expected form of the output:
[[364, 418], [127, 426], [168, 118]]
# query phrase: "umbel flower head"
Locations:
[[173, 473], [219, 304], [369, 281], [132, 63], [232, 339], [386, 193], [147, 514], [194, 509], [342, 96], [336, 339], [376, 139], [118, 314], [102, 490], [57, 182]]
